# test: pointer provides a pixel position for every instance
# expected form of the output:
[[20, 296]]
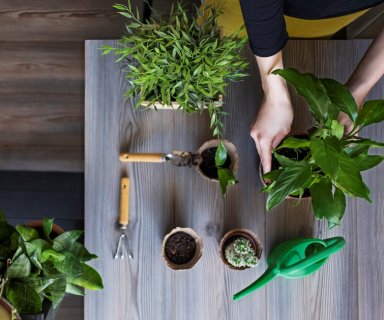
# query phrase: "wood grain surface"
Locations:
[[348, 287]]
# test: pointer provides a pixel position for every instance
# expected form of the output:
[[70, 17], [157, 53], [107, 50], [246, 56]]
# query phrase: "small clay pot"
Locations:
[[189, 264], [232, 153], [6, 307], [231, 236], [37, 224]]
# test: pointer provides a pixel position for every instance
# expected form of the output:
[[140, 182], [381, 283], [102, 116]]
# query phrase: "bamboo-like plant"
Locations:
[[37, 265], [182, 59], [327, 163]]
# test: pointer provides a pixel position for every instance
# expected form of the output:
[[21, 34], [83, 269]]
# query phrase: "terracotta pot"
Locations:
[[232, 153], [6, 310], [196, 257], [39, 224], [231, 235]]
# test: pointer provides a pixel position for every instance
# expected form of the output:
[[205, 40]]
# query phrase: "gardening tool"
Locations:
[[123, 218], [176, 158], [295, 259]]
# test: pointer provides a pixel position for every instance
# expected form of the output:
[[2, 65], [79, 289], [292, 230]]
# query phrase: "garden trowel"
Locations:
[[176, 158], [295, 259]]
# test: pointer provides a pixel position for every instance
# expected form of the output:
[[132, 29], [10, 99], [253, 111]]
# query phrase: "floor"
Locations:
[[42, 104]]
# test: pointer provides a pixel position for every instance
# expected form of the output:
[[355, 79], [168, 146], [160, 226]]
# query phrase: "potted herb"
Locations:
[[326, 163], [209, 168], [182, 248], [240, 249], [181, 62], [38, 266]]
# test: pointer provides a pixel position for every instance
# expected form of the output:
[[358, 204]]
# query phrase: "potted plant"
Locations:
[[181, 62], [326, 163], [182, 248], [38, 266], [240, 249], [7, 312]]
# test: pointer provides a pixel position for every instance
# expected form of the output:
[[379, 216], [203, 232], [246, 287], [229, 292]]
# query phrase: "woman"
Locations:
[[265, 24]]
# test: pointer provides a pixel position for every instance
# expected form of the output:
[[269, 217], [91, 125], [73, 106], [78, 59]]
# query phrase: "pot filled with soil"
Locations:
[[207, 168], [297, 155], [182, 248], [240, 249]]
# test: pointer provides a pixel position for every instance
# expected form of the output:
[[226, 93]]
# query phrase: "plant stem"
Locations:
[[2, 284]]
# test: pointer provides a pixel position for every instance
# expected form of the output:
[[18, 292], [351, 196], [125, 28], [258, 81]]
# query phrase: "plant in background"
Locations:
[[240, 253], [36, 265], [181, 59], [327, 163]]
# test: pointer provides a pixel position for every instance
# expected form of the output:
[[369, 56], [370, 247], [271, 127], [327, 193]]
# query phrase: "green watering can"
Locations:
[[295, 259]]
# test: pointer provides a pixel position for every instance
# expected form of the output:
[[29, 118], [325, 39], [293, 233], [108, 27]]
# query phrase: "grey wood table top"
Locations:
[[350, 285]]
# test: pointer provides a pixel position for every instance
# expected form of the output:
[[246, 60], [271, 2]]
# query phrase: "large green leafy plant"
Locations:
[[327, 163], [182, 59], [37, 264]]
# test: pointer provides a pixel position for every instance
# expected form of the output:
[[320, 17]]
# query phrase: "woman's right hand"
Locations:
[[272, 124]]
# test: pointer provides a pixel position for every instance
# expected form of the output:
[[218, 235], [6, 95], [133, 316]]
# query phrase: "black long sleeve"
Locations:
[[265, 24]]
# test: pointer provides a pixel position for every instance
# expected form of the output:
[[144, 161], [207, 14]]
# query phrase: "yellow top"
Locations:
[[232, 20]]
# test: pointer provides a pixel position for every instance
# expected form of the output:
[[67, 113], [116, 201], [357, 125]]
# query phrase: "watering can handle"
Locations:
[[332, 245]]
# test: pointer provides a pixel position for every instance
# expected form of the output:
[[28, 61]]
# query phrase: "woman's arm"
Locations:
[[275, 116], [367, 73]]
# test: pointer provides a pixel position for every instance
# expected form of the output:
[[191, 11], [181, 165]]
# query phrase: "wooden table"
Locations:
[[350, 286]]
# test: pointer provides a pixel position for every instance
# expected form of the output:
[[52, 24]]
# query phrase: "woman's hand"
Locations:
[[272, 124]]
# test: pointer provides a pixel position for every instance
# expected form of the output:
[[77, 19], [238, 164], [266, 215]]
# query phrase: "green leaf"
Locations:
[[290, 180], [226, 177], [327, 204], [365, 161], [27, 233], [272, 175], [52, 255], [23, 297], [56, 291], [284, 161], [70, 265], [350, 180], [293, 143], [326, 153], [337, 129], [47, 228], [221, 154], [20, 266], [72, 289], [311, 89], [3, 219], [89, 279], [371, 112], [356, 150], [66, 239], [341, 97], [38, 283]]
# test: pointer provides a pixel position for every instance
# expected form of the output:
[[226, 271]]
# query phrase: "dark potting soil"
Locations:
[[208, 166], [180, 248]]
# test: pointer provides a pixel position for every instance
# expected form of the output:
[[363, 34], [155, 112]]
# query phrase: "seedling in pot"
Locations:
[[332, 163]]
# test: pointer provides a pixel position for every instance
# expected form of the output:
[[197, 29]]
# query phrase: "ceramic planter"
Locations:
[[232, 153], [177, 239], [6, 310], [231, 236]]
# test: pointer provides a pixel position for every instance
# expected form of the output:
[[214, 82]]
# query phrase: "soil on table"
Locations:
[[208, 166], [180, 248]]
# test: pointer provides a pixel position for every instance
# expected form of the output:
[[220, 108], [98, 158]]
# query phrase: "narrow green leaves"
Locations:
[[326, 153], [364, 161], [226, 177], [221, 154], [311, 88], [290, 180]]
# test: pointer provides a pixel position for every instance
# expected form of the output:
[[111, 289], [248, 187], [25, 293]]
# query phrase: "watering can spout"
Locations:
[[267, 276]]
